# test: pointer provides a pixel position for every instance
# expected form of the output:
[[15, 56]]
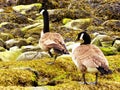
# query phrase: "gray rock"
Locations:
[[32, 55], [30, 48], [117, 45], [102, 40]]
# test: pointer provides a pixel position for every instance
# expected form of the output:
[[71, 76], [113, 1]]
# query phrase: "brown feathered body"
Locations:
[[53, 41], [88, 58]]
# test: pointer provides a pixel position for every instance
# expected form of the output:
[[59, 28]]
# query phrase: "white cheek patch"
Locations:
[[81, 37], [42, 11]]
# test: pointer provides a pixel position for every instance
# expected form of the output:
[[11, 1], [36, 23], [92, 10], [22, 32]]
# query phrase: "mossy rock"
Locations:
[[61, 75], [6, 36], [66, 20], [23, 9], [109, 50], [9, 55], [12, 77], [78, 23]]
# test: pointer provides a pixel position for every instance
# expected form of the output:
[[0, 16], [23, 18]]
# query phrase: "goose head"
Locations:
[[85, 37]]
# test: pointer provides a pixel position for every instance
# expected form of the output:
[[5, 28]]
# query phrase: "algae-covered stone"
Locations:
[[66, 20], [24, 8], [6, 36], [9, 55], [78, 23], [109, 50], [12, 77]]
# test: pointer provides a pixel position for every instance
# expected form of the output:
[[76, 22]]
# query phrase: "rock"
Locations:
[[14, 17], [2, 43], [9, 55], [32, 55], [1, 10], [66, 20], [109, 50], [12, 42], [78, 24], [32, 30], [27, 8], [113, 25], [11, 2], [102, 40], [2, 50], [117, 45], [6, 36], [8, 25], [30, 48], [72, 45]]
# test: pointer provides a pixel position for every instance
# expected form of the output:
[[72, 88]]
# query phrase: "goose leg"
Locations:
[[83, 76], [96, 81], [50, 54]]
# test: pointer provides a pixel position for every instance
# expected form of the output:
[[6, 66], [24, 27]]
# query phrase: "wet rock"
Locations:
[[31, 55]]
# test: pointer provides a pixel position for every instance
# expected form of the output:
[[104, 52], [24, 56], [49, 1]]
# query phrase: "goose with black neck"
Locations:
[[89, 58], [51, 40]]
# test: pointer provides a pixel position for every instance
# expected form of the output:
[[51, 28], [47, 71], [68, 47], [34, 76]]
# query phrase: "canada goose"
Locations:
[[50, 40], [89, 58]]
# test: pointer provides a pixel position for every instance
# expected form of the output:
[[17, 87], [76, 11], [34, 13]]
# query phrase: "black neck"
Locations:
[[45, 21], [87, 39]]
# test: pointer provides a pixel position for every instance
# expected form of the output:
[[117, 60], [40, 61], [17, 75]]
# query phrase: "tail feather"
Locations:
[[103, 71]]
